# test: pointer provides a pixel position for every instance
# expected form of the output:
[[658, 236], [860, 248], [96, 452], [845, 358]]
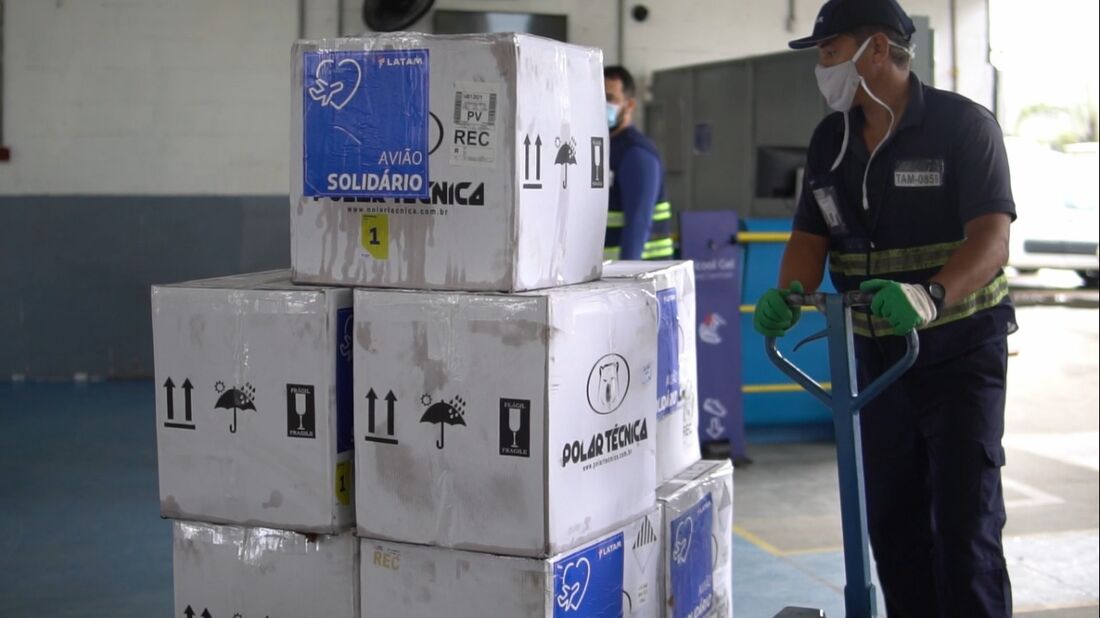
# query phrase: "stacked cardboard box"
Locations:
[[254, 432], [677, 403], [697, 510], [510, 413]]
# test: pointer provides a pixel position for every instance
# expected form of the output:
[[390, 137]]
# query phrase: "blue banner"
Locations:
[[344, 380], [707, 238], [589, 583], [668, 354], [691, 565], [365, 122]]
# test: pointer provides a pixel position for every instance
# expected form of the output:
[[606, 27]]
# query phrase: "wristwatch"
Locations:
[[938, 295]]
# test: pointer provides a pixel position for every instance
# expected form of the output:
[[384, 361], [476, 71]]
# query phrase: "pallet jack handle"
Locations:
[[845, 402], [848, 300]]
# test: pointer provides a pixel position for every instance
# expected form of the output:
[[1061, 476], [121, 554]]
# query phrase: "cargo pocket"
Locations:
[[992, 498]]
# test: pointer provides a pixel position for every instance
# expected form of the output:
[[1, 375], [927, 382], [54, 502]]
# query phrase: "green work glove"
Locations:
[[773, 316], [904, 305]]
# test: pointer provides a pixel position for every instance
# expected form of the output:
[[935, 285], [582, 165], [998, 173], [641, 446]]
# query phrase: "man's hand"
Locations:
[[906, 306], [773, 316]]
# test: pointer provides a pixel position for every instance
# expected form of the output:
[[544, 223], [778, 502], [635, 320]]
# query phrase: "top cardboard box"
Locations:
[[474, 163]]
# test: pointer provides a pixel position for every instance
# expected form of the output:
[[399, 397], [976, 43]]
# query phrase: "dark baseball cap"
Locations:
[[841, 16]]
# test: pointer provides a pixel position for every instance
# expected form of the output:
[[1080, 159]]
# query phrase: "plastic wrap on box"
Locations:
[[254, 410], [225, 571], [617, 574], [697, 510], [677, 394], [473, 162], [516, 424]]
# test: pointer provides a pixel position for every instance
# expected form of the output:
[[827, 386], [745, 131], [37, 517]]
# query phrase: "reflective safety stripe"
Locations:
[[658, 249], [660, 245], [653, 250], [661, 212], [893, 260], [989, 296]]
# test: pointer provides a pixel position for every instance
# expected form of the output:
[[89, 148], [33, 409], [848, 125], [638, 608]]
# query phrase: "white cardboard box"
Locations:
[[697, 510], [617, 574], [226, 571], [471, 162], [515, 424], [677, 394], [254, 387]]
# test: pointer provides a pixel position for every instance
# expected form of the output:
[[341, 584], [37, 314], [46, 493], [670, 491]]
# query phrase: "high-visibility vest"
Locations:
[[915, 264], [942, 164], [659, 244]]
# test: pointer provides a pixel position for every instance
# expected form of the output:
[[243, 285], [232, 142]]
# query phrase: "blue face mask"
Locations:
[[613, 115]]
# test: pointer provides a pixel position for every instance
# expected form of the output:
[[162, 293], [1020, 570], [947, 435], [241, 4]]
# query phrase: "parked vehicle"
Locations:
[[1056, 194]]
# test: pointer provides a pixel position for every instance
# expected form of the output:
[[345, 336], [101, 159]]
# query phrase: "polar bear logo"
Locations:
[[608, 383]]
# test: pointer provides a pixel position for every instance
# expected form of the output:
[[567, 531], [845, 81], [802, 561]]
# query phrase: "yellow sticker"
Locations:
[[343, 482], [374, 235]]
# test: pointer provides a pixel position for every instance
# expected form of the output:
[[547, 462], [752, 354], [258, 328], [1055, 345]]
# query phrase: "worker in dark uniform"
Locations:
[[639, 219], [907, 194]]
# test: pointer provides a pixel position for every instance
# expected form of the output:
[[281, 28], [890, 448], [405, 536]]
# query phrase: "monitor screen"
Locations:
[[778, 171], [467, 22]]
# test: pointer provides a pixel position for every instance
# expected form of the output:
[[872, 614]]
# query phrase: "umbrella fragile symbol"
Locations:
[[567, 155], [444, 413], [239, 398]]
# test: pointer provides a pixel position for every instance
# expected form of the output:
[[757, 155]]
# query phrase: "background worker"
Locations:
[[639, 220], [907, 194]]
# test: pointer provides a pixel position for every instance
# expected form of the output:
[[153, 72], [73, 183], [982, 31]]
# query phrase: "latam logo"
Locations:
[[400, 61]]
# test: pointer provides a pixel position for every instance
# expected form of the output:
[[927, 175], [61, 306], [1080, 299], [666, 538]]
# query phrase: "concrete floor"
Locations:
[[80, 534], [787, 521]]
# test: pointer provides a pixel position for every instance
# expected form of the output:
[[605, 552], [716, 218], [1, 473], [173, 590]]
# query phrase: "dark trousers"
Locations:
[[932, 463]]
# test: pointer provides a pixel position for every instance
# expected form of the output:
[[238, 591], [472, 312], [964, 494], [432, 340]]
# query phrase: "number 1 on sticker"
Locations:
[[343, 472], [375, 236]]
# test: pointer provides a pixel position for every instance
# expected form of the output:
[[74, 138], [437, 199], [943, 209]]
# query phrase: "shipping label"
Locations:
[[365, 122]]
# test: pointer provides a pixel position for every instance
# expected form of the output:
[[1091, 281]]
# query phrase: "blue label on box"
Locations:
[[691, 566], [365, 122], [668, 354], [589, 583], [344, 380]]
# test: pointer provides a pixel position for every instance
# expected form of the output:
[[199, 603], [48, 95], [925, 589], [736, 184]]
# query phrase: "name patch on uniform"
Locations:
[[919, 173]]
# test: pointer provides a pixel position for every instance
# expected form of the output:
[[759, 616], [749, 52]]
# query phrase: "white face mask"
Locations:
[[613, 115], [838, 83]]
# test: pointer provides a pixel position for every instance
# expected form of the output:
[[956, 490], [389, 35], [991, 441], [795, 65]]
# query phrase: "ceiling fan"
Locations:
[[392, 15]]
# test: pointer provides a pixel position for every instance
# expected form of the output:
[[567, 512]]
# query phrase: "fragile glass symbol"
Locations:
[[514, 423], [300, 409]]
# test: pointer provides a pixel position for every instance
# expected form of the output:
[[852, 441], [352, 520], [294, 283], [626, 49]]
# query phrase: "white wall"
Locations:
[[147, 96], [192, 96]]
